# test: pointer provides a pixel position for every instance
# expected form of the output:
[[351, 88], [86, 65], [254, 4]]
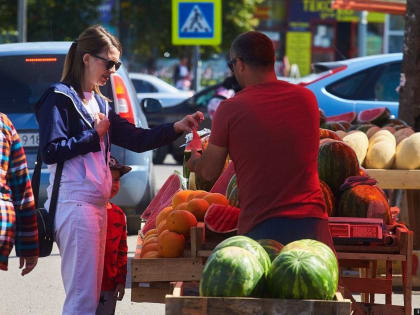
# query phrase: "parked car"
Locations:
[[149, 86], [27, 69], [198, 101], [356, 84]]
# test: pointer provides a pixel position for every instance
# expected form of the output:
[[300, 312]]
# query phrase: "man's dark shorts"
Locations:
[[286, 230]]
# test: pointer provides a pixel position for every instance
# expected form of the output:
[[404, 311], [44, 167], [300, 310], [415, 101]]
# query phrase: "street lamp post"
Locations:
[[22, 8]]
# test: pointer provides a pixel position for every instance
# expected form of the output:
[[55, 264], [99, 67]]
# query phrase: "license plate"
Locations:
[[29, 139]]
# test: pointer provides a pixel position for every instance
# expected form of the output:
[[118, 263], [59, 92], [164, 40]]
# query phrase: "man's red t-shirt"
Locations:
[[271, 131], [115, 263]]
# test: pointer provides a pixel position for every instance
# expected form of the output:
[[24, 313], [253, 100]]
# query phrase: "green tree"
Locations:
[[49, 20], [146, 26]]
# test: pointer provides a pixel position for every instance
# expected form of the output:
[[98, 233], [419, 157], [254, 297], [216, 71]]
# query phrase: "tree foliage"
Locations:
[[146, 26], [49, 20]]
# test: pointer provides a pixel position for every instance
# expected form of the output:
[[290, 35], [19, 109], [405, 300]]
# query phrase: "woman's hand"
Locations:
[[29, 263], [188, 122], [101, 124]]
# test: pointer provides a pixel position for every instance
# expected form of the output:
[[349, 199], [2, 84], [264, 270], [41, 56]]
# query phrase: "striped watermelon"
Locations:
[[364, 201], [234, 198], [328, 197], [304, 269], [272, 247], [231, 185], [326, 133], [252, 246], [231, 271], [336, 162]]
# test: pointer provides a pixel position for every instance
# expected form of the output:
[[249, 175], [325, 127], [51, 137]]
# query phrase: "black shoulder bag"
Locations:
[[46, 219]]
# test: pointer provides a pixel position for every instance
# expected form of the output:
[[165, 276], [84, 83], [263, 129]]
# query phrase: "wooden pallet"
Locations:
[[178, 304]]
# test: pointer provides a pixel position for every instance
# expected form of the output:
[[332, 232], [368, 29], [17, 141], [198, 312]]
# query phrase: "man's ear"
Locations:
[[240, 64]]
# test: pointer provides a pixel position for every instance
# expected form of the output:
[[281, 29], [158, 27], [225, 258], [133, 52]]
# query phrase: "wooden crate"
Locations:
[[368, 284], [409, 181], [151, 278], [178, 304]]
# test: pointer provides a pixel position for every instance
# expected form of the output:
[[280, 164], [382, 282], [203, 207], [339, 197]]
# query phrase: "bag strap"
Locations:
[[36, 178]]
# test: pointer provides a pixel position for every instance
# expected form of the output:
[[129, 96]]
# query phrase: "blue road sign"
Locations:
[[196, 22]]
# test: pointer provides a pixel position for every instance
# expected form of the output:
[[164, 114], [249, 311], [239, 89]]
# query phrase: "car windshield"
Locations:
[[24, 78]]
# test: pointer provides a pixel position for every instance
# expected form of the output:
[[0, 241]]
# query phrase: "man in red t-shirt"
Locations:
[[270, 129]]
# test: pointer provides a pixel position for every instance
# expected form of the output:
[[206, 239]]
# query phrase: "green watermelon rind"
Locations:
[[231, 185], [301, 274], [233, 197], [252, 246], [272, 247], [231, 272]]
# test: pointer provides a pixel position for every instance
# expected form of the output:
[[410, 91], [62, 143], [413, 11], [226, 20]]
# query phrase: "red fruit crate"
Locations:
[[356, 229]]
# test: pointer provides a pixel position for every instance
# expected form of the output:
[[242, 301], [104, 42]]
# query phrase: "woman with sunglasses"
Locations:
[[77, 127]]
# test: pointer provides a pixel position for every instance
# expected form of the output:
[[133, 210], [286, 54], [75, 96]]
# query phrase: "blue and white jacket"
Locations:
[[67, 134]]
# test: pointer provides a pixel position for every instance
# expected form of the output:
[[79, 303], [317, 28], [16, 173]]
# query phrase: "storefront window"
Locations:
[[323, 36]]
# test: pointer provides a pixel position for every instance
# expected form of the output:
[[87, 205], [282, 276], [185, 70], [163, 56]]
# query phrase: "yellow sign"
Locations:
[[298, 50], [197, 22]]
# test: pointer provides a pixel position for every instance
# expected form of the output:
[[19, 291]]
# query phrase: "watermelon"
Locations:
[[365, 127], [325, 133], [232, 183], [161, 200], [328, 197], [333, 125], [304, 269], [221, 218], [272, 247], [223, 181], [364, 201], [234, 198], [322, 118], [346, 117], [336, 162], [231, 272], [249, 244], [377, 116]]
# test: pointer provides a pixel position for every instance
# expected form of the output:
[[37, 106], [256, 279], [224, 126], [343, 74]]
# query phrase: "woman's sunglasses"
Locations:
[[109, 63]]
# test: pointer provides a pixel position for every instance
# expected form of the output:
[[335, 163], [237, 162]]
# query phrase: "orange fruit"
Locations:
[[198, 207], [181, 206], [201, 195], [162, 226], [151, 254], [181, 221], [152, 231], [152, 239], [216, 198], [149, 247], [196, 193], [180, 197], [171, 244], [162, 215]]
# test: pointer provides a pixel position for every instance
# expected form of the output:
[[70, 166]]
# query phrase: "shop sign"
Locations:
[[298, 50], [307, 10]]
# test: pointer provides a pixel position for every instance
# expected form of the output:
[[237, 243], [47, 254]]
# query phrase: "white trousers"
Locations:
[[81, 236]]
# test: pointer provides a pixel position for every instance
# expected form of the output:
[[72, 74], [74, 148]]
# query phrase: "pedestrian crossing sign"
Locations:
[[196, 22]]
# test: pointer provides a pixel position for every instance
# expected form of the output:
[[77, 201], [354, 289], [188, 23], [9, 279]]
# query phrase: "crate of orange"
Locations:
[[176, 248]]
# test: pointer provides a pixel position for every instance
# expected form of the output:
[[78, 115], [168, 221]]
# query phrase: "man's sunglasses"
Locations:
[[231, 63], [109, 63]]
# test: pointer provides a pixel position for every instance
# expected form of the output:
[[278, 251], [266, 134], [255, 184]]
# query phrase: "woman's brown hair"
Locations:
[[92, 40]]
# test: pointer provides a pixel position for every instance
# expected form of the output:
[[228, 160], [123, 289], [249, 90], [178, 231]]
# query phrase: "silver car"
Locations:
[[149, 86], [26, 70]]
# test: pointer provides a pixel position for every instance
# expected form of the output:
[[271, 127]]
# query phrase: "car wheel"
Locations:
[[159, 155]]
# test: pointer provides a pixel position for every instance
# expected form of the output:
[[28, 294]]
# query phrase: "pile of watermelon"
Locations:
[[242, 267]]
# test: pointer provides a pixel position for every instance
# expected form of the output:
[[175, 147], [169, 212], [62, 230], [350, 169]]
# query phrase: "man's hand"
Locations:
[[29, 263], [188, 122], [192, 161], [101, 124], [119, 291]]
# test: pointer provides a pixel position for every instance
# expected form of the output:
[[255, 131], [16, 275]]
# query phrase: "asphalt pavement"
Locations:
[[41, 292]]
